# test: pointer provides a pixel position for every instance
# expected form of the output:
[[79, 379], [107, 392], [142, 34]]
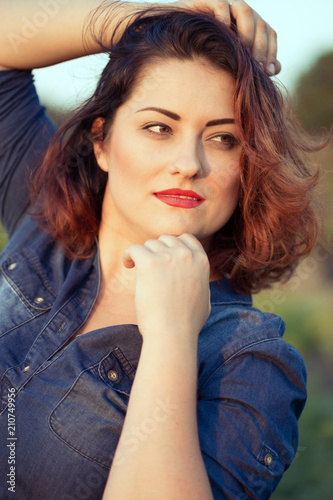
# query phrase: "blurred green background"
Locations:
[[306, 305]]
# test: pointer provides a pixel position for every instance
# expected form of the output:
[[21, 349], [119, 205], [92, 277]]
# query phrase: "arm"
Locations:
[[167, 463], [47, 32], [25, 132], [158, 455]]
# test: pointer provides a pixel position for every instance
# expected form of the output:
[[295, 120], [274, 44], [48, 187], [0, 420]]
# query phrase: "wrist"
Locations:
[[170, 335], [171, 346], [168, 370], [112, 18]]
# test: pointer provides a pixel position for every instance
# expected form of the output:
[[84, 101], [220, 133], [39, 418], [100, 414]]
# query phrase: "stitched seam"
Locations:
[[22, 324], [33, 259], [129, 369], [20, 295]]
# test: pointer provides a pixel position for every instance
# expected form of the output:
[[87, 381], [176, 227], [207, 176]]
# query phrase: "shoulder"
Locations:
[[235, 328]]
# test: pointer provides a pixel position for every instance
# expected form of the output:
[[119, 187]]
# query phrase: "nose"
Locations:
[[188, 159]]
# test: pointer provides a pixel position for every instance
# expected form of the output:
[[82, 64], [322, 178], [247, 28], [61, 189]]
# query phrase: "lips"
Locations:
[[179, 198]]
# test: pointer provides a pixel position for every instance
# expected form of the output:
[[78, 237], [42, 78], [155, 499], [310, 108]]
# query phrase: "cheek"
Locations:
[[121, 159], [226, 181]]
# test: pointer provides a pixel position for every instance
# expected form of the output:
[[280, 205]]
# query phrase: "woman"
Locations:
[[128, 337]]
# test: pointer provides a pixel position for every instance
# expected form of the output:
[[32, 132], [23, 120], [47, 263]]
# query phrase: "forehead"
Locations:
[[185, 87]]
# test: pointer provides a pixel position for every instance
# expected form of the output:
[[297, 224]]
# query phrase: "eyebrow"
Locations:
[[174, 116]]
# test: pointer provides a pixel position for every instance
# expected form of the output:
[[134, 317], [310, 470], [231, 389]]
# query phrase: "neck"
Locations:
[[115, 277]]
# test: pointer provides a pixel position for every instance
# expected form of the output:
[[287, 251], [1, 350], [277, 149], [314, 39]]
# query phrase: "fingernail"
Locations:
[[271, 69], [261, 64]]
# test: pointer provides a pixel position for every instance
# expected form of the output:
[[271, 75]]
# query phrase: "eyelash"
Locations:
[[228, 140], [161, 125], [229, 144]]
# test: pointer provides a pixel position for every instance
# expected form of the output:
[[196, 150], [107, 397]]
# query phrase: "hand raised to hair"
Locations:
[[254, 32], [172, 295]]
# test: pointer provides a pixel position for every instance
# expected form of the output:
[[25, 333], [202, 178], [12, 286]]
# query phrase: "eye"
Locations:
[[227, 141], [158, 129]]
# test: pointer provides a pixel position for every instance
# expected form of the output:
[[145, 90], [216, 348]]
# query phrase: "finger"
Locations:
[[133, 254], [272, 45], [156, 245], [260, 42], [191, 241], [244, 17], [221, 10], [197, 249], [278, 67], [265, 47], [272, 67], [171, 240]]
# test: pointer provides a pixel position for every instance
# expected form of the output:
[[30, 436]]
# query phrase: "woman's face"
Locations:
[[175, 132]]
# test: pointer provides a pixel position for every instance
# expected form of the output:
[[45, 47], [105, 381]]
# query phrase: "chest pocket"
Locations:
[[90, 417], [25, 291]]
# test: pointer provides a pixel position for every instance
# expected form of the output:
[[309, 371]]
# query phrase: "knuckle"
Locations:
[[184, 252], [202, 258], [189, 235], [166, 238], [261, 47], [147, 242], [205, 261], [246, 9], [167, 257], [273, 34], [262, 26], [153, 265], [156, 260], [222, 8]]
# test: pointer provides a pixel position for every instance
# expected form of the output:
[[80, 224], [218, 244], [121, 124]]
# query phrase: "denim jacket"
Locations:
[[71, 394]]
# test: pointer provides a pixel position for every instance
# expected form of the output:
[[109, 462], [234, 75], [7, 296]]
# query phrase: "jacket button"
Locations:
[[12, 266], [27, 368], [39, 300], [268, 459], [112, 375]]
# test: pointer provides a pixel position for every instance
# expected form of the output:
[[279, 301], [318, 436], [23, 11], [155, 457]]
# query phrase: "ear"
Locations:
[[97, 131]]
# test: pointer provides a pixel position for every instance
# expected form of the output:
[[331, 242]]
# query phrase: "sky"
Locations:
[[304, 27]]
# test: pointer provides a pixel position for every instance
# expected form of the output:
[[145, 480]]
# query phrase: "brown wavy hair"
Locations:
[[274, 223]]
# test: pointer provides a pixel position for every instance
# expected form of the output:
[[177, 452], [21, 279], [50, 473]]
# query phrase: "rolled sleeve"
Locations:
[[25, 133], [247, 418]]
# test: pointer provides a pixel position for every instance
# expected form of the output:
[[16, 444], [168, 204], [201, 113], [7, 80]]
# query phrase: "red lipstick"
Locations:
[[179, 198]]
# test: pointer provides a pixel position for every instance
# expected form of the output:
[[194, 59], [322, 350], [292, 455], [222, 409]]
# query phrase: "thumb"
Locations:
[[127, 259]]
